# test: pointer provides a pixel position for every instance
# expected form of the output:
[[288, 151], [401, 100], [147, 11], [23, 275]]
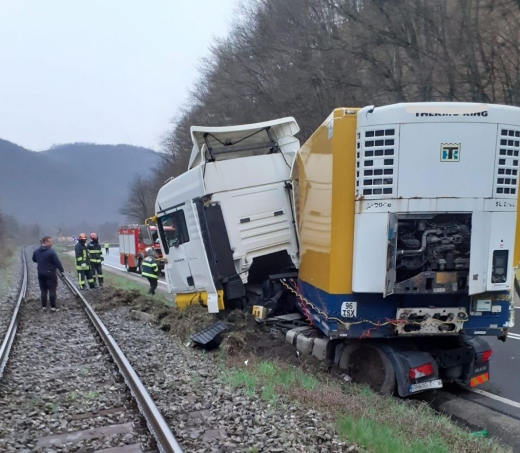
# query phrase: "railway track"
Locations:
[[66, 386]]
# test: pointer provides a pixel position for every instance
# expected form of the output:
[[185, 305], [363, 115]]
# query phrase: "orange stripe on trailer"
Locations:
[[477, 380]]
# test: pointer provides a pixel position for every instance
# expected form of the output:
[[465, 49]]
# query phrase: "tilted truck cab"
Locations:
[[232, 212]]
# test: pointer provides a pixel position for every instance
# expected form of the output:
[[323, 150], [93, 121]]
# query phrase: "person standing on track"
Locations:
[[107, 247], [96, 258], [151, 270], [83, 263], [48, 263]]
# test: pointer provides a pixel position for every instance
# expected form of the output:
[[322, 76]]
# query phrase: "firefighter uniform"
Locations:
[[96, 258], [151, 270], [83, 262]]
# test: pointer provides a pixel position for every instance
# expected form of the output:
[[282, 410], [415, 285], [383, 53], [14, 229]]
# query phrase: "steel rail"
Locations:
[[7, 342], [166, 441]]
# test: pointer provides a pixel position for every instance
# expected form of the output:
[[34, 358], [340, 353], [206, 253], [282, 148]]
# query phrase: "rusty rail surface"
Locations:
[[166, 441], [7, 342]]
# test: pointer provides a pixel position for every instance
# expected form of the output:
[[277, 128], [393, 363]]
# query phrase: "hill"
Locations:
[[69, 184]]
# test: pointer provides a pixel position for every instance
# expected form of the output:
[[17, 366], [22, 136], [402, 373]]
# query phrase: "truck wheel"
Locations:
[[128, 268], [140, 266], [367, 364]]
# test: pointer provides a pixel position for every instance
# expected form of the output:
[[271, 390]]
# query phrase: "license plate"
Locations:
[[349, 309], [436, 384]]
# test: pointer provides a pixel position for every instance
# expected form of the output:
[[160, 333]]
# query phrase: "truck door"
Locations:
[[391, 256], [479, 252], [174, 234]]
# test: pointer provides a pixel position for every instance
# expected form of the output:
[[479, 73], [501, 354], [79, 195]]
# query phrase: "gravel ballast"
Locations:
[[204, 413], [60, 380]]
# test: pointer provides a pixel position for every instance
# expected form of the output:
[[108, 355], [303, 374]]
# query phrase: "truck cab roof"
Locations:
[[230, 142]]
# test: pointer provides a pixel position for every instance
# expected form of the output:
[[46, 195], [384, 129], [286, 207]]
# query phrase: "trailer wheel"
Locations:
[[367, 364]]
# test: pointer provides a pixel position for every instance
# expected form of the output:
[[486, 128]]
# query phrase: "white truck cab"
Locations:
[[231, 211]]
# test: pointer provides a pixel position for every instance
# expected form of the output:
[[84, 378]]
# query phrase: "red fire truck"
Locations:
[[133, 241]]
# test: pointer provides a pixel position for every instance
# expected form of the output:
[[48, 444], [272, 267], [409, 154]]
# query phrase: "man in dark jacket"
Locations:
[[83, 263], [48, 262]]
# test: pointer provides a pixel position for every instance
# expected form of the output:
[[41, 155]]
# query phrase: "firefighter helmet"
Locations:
[[82, 236], [150, 251], [93, 236]]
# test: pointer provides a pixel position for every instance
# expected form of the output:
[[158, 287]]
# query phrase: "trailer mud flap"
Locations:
[[403, 356], [477, 372], [480, 379]]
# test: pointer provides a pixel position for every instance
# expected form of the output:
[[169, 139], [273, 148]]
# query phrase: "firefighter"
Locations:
[[96, 258], [107, 247], [83, 262], [150, 270]]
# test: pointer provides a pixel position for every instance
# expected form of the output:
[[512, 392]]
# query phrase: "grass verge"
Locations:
[[111, 279], [8, 274], [376, 424]]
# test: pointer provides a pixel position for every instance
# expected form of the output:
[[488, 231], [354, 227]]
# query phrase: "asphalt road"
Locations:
[[502, 392], [112, 261]]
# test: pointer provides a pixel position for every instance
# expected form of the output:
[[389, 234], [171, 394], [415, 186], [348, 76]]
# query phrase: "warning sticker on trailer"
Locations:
[[349, 309]]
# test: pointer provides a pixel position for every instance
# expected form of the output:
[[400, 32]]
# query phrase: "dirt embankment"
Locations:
[[246, 338]]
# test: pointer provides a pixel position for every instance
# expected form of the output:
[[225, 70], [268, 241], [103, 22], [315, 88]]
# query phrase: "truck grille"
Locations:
[[377, 151], [506, 179]]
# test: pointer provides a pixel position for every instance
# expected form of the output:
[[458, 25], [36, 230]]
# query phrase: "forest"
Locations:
[[303, 58]]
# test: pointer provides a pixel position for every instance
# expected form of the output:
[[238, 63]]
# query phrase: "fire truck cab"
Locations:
[[133, 241]]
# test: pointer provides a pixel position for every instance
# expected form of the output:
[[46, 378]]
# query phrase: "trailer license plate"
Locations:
[[349, 309], [436, 384]]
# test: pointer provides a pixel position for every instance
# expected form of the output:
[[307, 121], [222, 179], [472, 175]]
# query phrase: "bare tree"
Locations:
[[303, 58], [139, 205]]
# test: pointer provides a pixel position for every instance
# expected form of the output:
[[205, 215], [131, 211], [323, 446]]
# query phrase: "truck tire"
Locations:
[[139, 268], [367, 364], [128, 268]]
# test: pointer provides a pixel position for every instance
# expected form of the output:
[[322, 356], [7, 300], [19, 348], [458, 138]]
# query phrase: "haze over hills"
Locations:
[[69, 184]]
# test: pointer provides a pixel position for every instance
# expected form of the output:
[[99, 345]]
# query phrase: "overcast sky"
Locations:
[[103, 71]]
